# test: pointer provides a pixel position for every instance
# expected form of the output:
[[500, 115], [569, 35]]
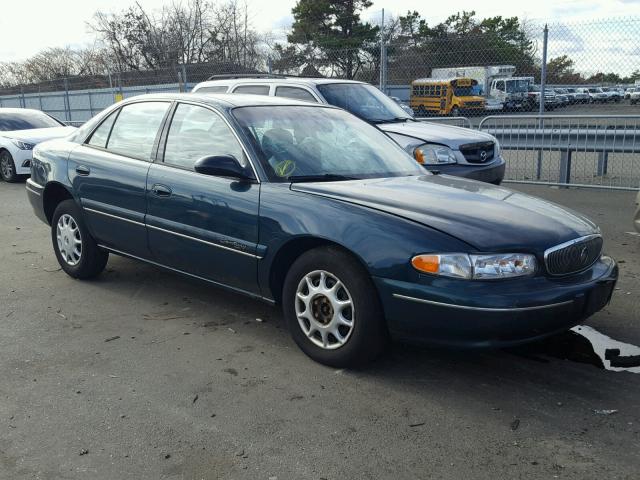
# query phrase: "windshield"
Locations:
[[26, 121], [365, 101], [517, 86], [463, 91], [294, 142]]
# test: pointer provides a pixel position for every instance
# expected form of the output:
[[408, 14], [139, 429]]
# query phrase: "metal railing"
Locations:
[[597, 151]]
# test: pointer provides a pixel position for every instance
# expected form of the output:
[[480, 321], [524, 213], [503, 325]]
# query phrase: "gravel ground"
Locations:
[[143, 374]]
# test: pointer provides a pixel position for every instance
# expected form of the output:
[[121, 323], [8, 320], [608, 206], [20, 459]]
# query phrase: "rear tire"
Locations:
[[77, 252], [327, 290], [7, 167]]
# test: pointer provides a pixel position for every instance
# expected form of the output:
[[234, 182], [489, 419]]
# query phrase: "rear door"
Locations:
[[201, 224], [109, 173]]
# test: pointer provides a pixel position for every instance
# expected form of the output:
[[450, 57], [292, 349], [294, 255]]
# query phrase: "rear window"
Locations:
[[136, 128], [213, 89], [252, 89], [295, 93], [26, 120]]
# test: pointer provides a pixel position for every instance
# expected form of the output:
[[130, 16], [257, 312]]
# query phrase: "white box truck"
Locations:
[[497, 84]]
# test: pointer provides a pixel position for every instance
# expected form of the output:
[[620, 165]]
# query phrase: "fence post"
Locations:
[[543, 81], [23, 102], [180, 83], [565, 167], [67, 106], [382, 63], [184, 77], [603, 163], [90, 104], [543, 71]]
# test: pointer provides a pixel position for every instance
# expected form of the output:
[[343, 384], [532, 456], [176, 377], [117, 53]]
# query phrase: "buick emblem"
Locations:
[[483, 155]]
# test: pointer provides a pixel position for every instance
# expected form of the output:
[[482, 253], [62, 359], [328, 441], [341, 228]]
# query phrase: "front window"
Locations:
[[517, 86], [364, 101], [197, 132], [315, 143], [27, 120]]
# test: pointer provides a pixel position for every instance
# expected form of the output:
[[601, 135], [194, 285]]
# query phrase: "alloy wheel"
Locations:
[[325, 309], [6, 167]]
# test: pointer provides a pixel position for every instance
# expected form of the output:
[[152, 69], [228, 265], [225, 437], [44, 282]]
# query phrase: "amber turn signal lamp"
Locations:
[[426, 263]]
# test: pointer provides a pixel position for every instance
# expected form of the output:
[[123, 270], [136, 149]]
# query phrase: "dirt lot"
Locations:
[[142, 374]]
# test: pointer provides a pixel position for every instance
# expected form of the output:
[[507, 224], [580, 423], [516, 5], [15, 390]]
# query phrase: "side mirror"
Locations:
[[222, 166]]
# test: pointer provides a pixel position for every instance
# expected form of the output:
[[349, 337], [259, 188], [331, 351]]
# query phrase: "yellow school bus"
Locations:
[[453, 96]]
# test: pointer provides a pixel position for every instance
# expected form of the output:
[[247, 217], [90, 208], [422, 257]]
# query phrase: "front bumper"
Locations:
[[35, 194], [22, 160], [494, 314], [490, 173]]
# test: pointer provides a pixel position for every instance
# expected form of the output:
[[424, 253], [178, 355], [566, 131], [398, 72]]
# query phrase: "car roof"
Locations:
[[279, 80], [225, 100], [18, 110]]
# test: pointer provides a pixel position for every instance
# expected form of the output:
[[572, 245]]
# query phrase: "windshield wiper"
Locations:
[[324, 177], [390, 120]]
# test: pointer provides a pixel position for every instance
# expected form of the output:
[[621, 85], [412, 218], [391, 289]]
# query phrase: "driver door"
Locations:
[[201, 224]]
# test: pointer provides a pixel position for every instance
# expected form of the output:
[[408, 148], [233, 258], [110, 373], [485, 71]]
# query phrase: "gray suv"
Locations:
[[443, 148]]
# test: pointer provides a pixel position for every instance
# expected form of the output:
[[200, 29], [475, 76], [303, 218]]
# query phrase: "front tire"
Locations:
[[332, 309], [77, 252], [7, 167]]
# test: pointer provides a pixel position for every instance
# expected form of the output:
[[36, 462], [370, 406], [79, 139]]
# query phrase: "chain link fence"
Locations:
[[485, 69]]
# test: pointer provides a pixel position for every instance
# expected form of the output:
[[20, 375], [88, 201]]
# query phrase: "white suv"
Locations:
[[449, 150]]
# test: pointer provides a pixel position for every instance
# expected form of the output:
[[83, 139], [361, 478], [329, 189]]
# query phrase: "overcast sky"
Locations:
[[28, 26]]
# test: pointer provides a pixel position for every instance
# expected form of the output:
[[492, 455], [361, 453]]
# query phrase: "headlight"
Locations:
[[475, 267], [432, 154], [496, 149], [23, 145]]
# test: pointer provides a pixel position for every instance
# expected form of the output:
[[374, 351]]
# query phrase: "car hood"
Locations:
[[37, 135], [487, 217], [447, 135]]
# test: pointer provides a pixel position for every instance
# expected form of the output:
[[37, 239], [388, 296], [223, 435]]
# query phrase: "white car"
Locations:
[[634, 97], [21, 129]]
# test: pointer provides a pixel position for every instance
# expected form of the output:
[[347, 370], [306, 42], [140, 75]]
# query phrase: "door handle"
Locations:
[[82, 170], [161, 190]]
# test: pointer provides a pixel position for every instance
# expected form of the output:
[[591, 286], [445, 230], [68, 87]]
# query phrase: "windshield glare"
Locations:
[[363, 100], [293, 141], [26, 121]]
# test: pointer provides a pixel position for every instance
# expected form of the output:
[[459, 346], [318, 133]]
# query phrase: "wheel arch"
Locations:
[[289, 252], [54, 193]]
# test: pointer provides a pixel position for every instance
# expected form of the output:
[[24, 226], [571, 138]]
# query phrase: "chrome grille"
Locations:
[[573, 256]]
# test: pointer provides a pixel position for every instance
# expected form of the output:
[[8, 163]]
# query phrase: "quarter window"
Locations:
[[252, 89], [295, 93], [197, 132], [101, 134], [136, 128]]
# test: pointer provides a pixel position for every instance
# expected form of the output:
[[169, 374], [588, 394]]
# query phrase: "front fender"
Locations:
[[383, 242]]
